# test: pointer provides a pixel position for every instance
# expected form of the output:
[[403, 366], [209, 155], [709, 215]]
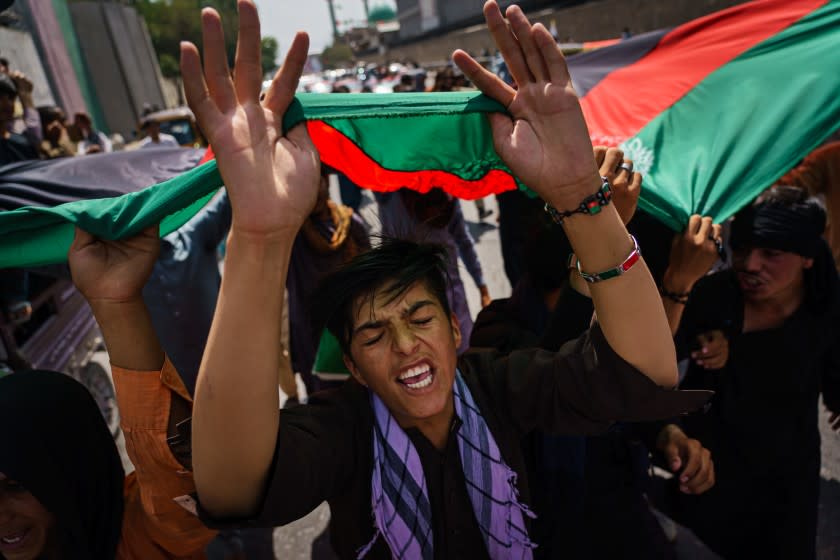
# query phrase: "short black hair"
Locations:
[[393, 267]]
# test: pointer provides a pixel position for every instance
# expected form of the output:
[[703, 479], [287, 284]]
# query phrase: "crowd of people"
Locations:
[[527, 430]]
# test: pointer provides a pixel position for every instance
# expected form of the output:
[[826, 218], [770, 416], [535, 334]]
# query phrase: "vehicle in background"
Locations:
[[61, 335], [180, 123]]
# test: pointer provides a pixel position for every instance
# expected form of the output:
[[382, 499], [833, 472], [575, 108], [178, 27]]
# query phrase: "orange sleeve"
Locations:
[[155, 526]]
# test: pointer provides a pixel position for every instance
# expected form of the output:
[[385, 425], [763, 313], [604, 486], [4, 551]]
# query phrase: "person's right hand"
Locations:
[[112, 271], [714, 350], [626, 185], [687, 459], [693, 253], [272, 178]]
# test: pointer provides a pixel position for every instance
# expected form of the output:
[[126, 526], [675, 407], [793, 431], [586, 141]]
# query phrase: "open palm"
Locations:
[[271, 178], [545, 143]]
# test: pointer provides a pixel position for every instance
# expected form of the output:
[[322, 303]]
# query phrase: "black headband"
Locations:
[[797, 229]]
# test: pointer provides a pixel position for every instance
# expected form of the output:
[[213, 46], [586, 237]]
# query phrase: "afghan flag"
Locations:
[[713, 112]]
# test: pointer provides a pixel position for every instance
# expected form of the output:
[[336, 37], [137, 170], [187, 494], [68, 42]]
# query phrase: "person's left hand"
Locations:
[[544, 140], [626, 185], [687, 458], [714, 350], [107, 272], [485, 296]]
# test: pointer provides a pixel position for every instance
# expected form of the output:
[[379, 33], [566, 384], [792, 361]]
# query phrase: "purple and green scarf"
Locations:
[[400, 499]]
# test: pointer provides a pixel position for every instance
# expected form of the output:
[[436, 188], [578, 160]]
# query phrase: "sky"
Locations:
[[282, 18]]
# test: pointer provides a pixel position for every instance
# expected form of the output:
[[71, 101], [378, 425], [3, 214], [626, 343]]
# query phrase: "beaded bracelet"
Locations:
[[590, 205]]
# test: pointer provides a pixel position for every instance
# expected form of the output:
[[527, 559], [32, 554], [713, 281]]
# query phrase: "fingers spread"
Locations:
[[248, 78], [507, 44], [195, 88], [285, 82], [533, 55], [216, 71], [558, 71], [489, 84]]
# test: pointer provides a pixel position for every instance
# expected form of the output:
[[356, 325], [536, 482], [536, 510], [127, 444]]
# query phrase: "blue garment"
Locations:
[[182, 291], [398, 222]]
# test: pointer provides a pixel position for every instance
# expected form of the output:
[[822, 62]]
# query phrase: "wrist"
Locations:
[[569, 196], [26, 100], [673, 283]]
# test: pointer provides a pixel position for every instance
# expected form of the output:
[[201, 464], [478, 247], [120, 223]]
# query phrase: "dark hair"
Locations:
[[392, 267]]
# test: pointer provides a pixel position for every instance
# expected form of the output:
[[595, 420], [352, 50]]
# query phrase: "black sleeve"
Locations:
[[314, 459], [571, 317], [714, 304], [581, 389], [831, 373]]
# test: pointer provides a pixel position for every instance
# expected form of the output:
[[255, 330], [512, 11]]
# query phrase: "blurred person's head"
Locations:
[[61, 477], [83, 122], [8, 94], [4, 65], [340, 89], [151, 128], [52, 123], [779, 252]]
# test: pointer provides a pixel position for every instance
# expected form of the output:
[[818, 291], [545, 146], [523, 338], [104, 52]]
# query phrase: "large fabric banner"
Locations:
[[712, 112]]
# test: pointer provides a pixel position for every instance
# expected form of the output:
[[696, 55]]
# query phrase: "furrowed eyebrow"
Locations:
[[370, 325], [373, 325], [416, 306]]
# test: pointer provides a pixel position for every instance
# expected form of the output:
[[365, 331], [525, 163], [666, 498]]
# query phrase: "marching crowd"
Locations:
[[527, 431]]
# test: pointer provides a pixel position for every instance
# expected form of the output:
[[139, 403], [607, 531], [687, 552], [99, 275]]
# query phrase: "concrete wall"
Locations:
[[19, 48], [592, 21], [121, 62]]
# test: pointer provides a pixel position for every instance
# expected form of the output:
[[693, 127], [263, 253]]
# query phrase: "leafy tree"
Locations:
[[173, 21], [269, 55], [337, 55]]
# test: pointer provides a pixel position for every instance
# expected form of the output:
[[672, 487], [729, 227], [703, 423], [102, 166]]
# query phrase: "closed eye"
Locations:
[[422, 321], [372, 341]]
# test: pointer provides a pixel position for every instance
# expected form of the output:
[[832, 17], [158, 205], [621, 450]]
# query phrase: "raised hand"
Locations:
[[545, 143], [693, 253], [271, 178], [113, 272]]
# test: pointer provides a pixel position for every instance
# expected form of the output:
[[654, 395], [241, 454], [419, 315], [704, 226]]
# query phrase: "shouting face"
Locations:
[[405, 351], [769, 274]]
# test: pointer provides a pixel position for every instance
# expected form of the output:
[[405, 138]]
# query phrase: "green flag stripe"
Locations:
[[744, 125]]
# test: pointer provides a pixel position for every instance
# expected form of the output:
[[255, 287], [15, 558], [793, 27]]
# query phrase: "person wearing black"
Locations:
[[418, 454], [13, 147], [778, 308]]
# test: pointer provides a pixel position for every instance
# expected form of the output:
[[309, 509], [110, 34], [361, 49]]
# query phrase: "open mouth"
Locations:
[[749, 282], [417, 377], [14, 541]]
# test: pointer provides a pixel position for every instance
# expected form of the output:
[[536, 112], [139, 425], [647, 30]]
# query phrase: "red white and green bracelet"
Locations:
[[628, 263]]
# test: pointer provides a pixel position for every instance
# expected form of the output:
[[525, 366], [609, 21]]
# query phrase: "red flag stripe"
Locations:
[[340, 152], [627, 99]]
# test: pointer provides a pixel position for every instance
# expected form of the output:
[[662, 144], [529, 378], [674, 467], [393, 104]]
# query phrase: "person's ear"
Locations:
[[456, 329], [807, 264], [354, 371]]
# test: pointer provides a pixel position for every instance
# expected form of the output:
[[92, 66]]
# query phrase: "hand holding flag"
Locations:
[[546, 142]]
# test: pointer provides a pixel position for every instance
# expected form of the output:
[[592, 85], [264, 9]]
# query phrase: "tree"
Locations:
[[269, 48], [337, 55], [173, 21]]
